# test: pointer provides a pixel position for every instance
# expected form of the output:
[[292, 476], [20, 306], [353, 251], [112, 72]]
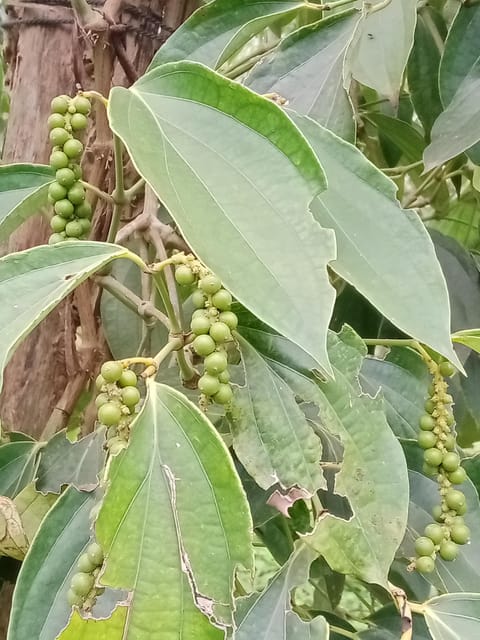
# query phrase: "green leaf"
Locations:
[[379, 51], [404, 393], [461, 274], [453, 616], [260, 35], [40, 609], [150, 521], [389, 625], [457, 128], [469, 337], [268, 615], [423, 67], [34, 281], [271, 435], [18, 463], [32, 507], [462, 222], [402, 134], [23, 192], [90, 629], [216, 152], [210, 30], [307, 70], [363, 546], [372, 252], [460, 56], [63, 462]]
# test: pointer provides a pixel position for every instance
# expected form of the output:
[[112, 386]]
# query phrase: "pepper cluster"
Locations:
[[72, 212], [438, 441], [212, 325], [83, 592], [116, 403]]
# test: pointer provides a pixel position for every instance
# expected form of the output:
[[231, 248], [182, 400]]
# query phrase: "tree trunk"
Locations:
[[48, 54]]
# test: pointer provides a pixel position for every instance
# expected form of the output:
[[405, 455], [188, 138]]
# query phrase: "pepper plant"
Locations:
[[283, 442]]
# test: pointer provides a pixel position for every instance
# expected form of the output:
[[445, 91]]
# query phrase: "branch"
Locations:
[[146, 221], [88, 18]]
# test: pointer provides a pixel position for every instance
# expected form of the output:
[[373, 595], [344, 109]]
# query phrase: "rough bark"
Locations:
[[48, 54]]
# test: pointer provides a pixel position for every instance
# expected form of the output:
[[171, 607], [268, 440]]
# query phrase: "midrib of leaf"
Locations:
[[235, 169], [201, 467]]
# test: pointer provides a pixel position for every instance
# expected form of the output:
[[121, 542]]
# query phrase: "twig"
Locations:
[[143, 308], [98, 192], [143, 222], [119, 191]]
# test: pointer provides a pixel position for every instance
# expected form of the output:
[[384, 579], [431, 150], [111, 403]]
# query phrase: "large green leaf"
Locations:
[[381, 45], [268, 615], [174, 522], [454, 616], [271, 435], [365, 545], [460, 56], [34, 281], [457, 128], [209, 31], [40, 609], [18, 463], [63, 462], [237, 176], [373, 234], [307, 70], [423, 66], [23, 192], [403, 135]]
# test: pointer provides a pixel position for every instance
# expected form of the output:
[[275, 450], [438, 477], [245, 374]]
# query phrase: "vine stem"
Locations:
[[431, 176], [134, 189], [342, 632], [167, 303], [379, 342], [414, 344], [118, 195], [98, 192], [187, 370], [417, 608], [401, 170], [96, 95], [174, 344], [378, 7], [143, 308]]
